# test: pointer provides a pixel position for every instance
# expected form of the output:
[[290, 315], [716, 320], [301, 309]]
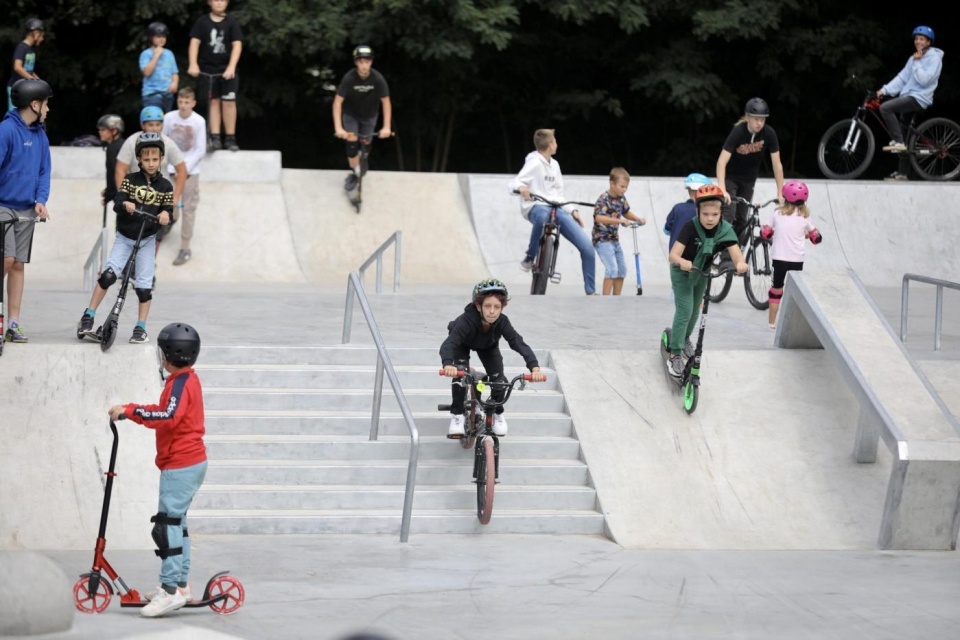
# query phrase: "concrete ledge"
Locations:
[[897, 403], [35, 596], [80, 163]]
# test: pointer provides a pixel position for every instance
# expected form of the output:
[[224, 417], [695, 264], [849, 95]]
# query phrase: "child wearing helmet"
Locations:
[[161, 77], [913, 88], [24, 186], [25, 57], [479, 328], [699, 240], [178, 423], [789, 225], [611, 211], [110, 130], [148, 191], [684, 212]]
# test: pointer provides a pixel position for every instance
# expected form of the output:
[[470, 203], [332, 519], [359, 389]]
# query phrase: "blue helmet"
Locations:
[[151, 114], [924, 31], [695, 180]]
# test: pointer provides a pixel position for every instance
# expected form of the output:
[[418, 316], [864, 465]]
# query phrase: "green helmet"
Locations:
[[490, 285]]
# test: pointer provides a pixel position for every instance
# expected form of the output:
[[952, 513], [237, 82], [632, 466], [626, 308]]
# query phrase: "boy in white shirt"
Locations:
[[188, 129]]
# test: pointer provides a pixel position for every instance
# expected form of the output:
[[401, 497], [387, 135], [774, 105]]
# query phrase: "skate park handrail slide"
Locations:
[[384, 364], [377, 256], [938, 316], [832, 311]]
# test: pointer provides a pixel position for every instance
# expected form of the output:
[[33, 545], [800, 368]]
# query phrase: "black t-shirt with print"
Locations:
[[746, 150], [216, 42], [361, 96], [691, 241]]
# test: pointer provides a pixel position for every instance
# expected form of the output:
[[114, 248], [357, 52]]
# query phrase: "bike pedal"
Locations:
[[555, 278]]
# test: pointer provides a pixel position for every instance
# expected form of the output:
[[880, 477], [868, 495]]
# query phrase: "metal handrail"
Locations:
[[355, 290], [377, 255], [905, 304], [92, 266]]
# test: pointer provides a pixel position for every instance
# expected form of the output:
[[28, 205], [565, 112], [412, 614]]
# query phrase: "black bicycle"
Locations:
[[478, 431], [5, 224], [846, 149], [756, 253], [545, 262]]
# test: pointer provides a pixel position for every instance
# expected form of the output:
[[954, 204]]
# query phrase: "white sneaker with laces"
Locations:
[[184, 591], [163, 603], [895, 146], [456, 425], [499, 425]]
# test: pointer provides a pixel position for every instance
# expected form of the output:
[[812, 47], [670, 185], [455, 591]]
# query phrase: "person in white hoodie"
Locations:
[[913, 88], [541, 175]]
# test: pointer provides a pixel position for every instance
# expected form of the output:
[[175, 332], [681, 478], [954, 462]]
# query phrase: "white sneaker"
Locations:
[[162, 603], [184, 591], [895, 146], [456, 425], [499, 425], [676, 366]]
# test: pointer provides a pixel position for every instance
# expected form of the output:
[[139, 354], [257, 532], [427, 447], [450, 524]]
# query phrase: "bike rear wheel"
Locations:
[[935, 149], [759, 275], [486, 479], [541, 271], [718, 295], [841, 163]]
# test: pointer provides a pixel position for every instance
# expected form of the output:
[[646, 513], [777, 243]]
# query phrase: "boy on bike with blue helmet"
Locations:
[[479, 328], [913, 88], [684, 212]]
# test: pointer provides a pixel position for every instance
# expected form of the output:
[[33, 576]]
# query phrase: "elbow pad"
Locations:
[[815, 236], [766, 232]]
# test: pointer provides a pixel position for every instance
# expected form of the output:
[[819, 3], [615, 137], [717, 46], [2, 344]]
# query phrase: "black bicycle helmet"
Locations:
[[180, 344], [147, 140], [34, 24], [757, 107], [157, 29], [490, 285], [362, 51], [25, 91], [110, 121]]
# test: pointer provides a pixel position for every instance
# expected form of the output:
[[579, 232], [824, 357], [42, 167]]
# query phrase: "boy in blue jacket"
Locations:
[[24, 184]]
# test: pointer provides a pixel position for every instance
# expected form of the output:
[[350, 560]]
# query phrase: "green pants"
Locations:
[[688, 289]]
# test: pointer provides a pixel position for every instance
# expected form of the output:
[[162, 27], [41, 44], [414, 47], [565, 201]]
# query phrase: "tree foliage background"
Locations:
[[652, 85]]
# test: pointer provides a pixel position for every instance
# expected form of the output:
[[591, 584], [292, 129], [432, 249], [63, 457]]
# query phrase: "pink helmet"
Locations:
[[795, 192]]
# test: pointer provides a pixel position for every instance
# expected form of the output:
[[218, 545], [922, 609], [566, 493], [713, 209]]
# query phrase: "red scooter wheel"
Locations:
[[231, 589], [91, 602]]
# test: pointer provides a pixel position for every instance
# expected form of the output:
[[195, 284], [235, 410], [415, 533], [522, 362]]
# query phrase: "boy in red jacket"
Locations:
[[181, 458]]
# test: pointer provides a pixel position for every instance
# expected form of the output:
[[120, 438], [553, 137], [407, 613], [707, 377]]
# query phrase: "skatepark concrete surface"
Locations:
[[748, 519]]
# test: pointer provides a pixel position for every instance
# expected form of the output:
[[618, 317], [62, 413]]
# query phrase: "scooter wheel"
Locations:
[[108, 333], [91, 602], [229, 590], [691, 393]]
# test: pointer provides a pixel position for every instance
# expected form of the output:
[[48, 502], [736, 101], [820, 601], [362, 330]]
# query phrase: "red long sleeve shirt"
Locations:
[[177, 421]]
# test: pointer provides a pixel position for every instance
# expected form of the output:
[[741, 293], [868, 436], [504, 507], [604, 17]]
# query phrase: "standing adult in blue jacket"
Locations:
[[24, 184], [913, 88]]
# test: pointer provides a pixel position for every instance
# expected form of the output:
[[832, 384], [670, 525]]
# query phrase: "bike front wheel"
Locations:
[[935, 149], [486, 480], [759, 275], [842, 161], [541, 271], [718, 294], [109, 332]]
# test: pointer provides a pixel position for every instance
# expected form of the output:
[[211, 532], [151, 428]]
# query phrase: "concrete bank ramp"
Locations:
[[764, 462]]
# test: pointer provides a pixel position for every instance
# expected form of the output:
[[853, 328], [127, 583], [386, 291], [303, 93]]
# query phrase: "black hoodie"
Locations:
[[467, 331]]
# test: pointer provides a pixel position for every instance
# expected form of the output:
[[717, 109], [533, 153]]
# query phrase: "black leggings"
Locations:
[[780, 268], [492, 361]]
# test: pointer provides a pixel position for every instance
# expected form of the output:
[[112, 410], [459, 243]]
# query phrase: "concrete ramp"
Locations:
[[763, 463]]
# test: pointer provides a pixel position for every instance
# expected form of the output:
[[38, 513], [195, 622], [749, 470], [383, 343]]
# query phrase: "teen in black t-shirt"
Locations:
[[216, 42]]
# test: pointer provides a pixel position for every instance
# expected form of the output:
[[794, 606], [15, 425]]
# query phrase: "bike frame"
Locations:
[[551, 232]]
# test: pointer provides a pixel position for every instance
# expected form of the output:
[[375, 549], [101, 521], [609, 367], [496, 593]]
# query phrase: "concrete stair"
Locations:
[[289, 449]]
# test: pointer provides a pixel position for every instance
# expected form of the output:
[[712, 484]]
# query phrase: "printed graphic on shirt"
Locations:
[[29, 62], [216, 41], [183, 135], [612, 207], [750, 147], [146, 194]]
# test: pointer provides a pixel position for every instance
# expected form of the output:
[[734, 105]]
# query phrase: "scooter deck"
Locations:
[[196, 604]]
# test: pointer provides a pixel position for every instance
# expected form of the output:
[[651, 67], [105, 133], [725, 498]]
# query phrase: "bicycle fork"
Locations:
[[853, 136], [553, 235], [478, 456]]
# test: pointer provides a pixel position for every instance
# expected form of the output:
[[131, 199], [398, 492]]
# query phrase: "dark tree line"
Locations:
[[651, 85]]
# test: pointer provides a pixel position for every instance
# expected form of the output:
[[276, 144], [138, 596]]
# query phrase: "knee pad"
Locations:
[[144, 295], [159, 533], [775, 296], [353, 148], [106, 279]]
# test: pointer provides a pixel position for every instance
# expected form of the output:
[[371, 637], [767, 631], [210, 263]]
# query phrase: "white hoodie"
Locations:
[[542, 176]]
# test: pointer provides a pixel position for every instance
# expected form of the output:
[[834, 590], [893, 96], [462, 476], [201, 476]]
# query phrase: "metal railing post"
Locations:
[[377, 256], [379, 273], [396, 261], [904, 307], [938, 319], [377, 396], [348, 311], [938, 314]]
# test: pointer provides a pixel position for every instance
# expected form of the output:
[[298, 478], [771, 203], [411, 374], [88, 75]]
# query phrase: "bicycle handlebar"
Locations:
[[534, 196], [461, 373]]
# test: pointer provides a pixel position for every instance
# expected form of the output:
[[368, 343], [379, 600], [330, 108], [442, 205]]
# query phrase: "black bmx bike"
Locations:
[[5, 224], [478, 415], [756, 253], [545, 262], [846, 149]]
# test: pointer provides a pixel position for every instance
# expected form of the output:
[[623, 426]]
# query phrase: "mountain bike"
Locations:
[[5, 225], [478, 431], [545, 262], [756, 253], [846, 149]]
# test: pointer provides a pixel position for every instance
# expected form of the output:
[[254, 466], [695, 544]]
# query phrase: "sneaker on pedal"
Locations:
[[896, 176], [184, 591], [675, 366], [350, 183], [14, 334], [182, 257], [689, 350], [139, 336], [163, 603], [499, 425], [526, 265], [85, 326], [895, 146], [456, 426]]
